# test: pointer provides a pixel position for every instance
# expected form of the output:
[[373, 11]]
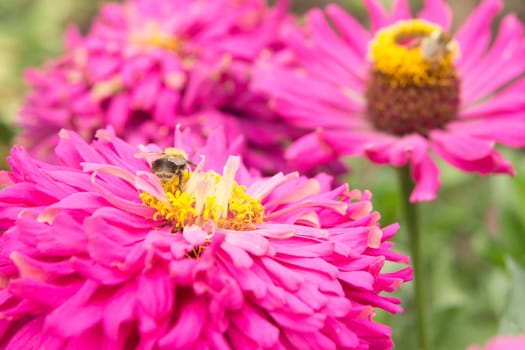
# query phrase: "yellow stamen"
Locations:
[[207, 197], [151, 35], [414, 52], [106, 88]]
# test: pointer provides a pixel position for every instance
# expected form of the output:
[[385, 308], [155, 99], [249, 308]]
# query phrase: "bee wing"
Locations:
[[147, 154]]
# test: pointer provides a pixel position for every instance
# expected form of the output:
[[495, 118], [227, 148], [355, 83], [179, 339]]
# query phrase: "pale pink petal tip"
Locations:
[[374, 237]]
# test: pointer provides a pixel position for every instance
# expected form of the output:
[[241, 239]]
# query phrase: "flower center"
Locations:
[[152, 36], [413, 85], [205, 197]]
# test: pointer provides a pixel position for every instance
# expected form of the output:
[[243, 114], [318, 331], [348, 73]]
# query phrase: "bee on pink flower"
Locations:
[[406, 90], [97, 252]]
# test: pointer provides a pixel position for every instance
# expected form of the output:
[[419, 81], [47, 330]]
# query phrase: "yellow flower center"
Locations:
[[205, 197], [413, 85], [152, 36], [414, 52]]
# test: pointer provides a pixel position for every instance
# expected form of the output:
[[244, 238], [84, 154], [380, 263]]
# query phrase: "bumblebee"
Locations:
[[171, 163], [435, 47]]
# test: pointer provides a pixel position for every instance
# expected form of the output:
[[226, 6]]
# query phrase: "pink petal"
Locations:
[[400, 10], [499, 66], [195, 235], [63, 238], [28, 336], [301, 98], [378, 16], [507, 342], [426, 177], [126, 205], [95, 271], [503, 103], [155, 297], [307, 152], [253, 243], [305, 250], [113, 13], [166, 106], [282, 275], [334, 49], [119, 310], [338, 306], [239, 340], [351, 30], [149, 183], [301, 323], [262, 188], [119, 112], [465, 146], [351, 143], [80, 315], [72, 37], [109, 242], [135, 68], [34, 268], [342, 334], [470, 154], [79, 200], [437, 11], [187, 330], [239, 257], [88, 340], [256, 326], [359, 279], [310, 341], [146, 92], [475, 33], [73, 150], [48, 295], [102, 67], [337, 206], [292, 192], [509, 132], [317, 265]]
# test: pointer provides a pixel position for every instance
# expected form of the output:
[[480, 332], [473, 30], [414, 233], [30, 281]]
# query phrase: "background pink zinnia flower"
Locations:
[[87, 261], [145, 66], [405, 89], [503, 343]]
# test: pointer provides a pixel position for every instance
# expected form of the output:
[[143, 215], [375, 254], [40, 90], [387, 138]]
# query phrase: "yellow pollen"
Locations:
[[414, 52], [207, 197], [107, 88], [151, 35]]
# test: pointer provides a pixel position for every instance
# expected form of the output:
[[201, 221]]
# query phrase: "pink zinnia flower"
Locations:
[[147, 65], [96, 253], [406, 89], [503, 343]]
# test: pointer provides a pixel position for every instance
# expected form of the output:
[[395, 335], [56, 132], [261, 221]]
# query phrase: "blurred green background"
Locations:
[[474, 232]]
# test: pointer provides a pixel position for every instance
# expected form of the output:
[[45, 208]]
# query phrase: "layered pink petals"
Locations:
[[320, 87], [83, 263]]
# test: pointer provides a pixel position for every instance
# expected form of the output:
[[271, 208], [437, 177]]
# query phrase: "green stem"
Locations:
[[411, 224]]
